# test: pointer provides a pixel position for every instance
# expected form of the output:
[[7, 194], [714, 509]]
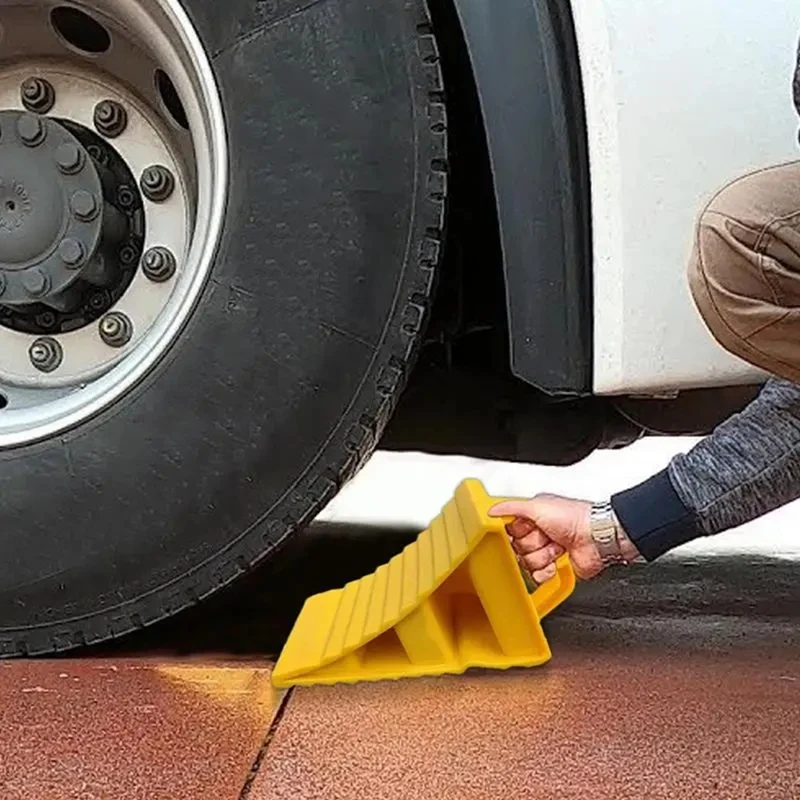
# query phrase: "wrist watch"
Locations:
[[607, 534]]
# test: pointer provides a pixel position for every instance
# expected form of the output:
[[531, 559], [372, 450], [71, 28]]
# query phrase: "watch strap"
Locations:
[[605, 532]]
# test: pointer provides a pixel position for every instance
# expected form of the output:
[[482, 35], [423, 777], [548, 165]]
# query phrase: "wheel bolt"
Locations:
[[71, 252], [115, 329], [98, 154], [84, 205], [158, 264], [35, 282], [46, 354], [38, 95], [157, 183], [69, 158], [127, 255], [46, 319], [98, 301], [31, 130], [110, 118], [125, 197]]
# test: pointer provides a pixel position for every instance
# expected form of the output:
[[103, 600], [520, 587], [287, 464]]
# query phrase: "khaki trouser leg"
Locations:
[[744, 271]]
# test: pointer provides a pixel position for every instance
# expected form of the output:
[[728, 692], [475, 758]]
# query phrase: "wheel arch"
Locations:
[[525, 66]]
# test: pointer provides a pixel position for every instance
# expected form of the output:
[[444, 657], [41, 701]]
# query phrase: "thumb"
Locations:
[[536, 510], [515, 508], [523, 514]]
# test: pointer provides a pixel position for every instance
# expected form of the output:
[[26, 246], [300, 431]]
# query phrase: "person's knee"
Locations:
[[724, 273], [744, 272], [746, 199]]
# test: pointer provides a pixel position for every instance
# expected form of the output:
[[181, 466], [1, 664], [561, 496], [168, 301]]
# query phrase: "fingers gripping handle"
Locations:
[[549, 594], [553, 591]]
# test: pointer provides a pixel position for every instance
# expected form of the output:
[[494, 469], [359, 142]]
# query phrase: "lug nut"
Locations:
[[69, 158], [72, 252], [115, 329], [84, 205], [38, 95], [110, 118], [46, 354], [35, 282], [31, 130], [158, 264], [157, 183]]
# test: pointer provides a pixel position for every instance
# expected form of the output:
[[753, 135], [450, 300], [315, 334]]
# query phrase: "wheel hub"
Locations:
[[54, 218]]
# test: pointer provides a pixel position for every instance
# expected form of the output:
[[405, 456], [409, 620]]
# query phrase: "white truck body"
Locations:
[[682, 96]]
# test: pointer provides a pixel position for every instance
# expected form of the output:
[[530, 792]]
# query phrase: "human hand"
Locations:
[[546, 527]]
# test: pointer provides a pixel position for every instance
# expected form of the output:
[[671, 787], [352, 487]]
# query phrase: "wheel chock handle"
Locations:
[[550, 593]]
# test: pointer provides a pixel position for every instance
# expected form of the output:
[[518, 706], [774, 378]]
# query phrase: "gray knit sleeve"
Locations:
[[750, 464]]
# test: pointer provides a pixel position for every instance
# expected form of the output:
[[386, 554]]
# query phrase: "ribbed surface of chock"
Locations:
[[453, 599]]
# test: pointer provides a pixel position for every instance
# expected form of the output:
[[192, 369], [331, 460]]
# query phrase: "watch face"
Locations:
[[604, 536], [606, 539]]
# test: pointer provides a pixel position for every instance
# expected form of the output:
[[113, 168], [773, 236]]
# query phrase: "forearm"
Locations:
[[750, 465]]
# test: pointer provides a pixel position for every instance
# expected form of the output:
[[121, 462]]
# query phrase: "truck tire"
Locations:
[[277, 384]]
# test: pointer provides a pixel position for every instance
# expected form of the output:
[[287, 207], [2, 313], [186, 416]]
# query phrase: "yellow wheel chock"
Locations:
[[453, 599]]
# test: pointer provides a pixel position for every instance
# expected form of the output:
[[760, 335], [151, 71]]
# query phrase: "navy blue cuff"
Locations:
[[654, 516]]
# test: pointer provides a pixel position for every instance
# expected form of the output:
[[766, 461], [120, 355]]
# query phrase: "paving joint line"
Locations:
[[262, 751]]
